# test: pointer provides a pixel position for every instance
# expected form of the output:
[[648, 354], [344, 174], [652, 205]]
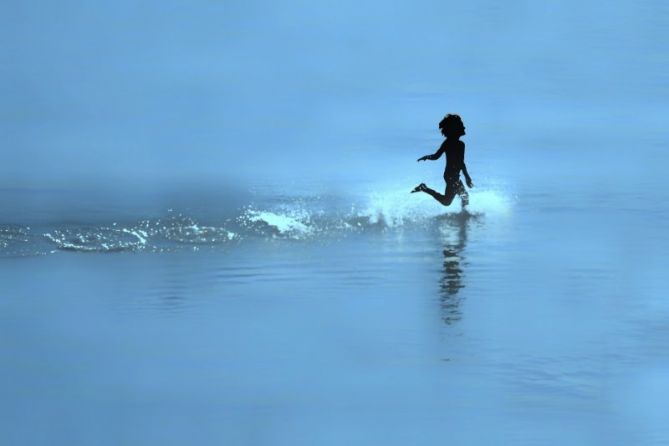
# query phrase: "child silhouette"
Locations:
[[452, 128]]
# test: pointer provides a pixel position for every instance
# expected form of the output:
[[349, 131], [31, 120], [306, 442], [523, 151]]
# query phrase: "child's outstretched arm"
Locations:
[[468, 179], [435, 156]]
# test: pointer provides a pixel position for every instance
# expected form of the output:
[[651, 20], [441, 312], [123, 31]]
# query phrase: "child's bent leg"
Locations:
[[445, 199]]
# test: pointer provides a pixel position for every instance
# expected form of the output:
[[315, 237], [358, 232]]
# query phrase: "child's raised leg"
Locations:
[[445, 199]]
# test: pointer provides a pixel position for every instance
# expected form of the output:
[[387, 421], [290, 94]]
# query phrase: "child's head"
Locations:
[[452, 126]]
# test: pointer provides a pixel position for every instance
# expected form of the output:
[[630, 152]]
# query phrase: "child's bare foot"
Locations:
[[421, 187]]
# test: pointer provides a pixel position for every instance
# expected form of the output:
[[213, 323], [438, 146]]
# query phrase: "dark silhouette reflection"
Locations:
[[452, 280]]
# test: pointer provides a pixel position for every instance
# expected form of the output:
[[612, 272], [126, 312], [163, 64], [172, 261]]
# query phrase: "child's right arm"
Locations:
[[435, 156]]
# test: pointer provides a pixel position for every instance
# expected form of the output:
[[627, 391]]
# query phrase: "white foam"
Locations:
[[490, 202], [298, 219], [395, 208], [141, 235], [294, 223]]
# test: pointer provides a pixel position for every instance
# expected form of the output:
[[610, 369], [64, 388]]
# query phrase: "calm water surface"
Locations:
[[539, 318]]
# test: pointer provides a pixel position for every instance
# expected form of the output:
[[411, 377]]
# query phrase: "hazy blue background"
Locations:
[[210, 88], [206, 234]]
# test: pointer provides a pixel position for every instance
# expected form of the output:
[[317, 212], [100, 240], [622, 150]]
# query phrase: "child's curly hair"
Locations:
[[452, 125]]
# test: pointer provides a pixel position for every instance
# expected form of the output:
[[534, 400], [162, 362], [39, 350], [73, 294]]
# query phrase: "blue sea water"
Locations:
[[207, 235]]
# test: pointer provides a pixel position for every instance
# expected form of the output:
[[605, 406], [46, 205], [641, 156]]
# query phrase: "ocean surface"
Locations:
[[207, 235], [285, 315]]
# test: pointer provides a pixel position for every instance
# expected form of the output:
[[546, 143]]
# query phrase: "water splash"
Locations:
[[14, 239], [398, 208], [183, 229], [98, 239], [295, 223], [291, 219]]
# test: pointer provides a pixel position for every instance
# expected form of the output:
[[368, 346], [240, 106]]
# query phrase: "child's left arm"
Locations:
[[468, 179]]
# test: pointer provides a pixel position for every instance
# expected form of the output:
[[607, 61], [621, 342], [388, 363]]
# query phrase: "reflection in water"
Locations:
[[452, 280]]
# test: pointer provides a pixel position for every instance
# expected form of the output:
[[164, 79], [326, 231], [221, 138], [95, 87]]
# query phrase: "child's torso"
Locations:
[[455, 157]]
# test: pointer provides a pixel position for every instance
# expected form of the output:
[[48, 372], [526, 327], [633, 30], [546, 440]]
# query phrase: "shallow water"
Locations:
[[537, 318]]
